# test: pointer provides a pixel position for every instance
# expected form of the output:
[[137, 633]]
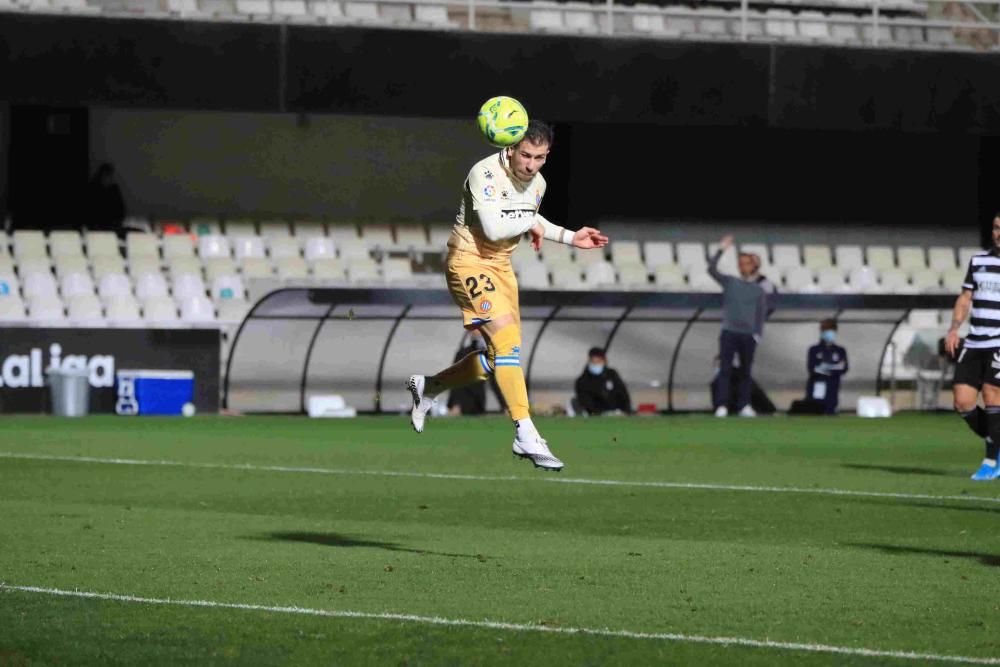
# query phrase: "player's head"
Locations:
[[828, 330], [748, 263], [528, 155], [996, 230], [596, 360]]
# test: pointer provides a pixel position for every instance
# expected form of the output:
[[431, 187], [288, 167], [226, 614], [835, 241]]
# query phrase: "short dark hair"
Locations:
[[539, 133], [597, 352], [829, 324]]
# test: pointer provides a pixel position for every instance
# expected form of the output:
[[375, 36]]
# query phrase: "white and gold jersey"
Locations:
[[491, 186]]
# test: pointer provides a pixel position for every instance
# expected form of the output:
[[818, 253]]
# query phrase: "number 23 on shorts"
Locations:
[[475, 291]]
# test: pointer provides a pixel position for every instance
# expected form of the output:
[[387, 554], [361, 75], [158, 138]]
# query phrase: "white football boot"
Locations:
[[421, 404], [535, 449], [747, 411], [722, 411]]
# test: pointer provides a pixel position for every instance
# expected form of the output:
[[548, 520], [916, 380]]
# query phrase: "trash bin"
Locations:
[[70, 390]]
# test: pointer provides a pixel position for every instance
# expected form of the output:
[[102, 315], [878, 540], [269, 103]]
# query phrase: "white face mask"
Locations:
[[595, 369], [828, 336]]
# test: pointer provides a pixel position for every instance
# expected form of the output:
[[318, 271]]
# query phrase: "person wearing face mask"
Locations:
[[827, 364], [600, 389]]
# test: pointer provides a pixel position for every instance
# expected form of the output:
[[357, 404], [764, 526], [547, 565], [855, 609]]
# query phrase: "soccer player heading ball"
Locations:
[[500, 203]]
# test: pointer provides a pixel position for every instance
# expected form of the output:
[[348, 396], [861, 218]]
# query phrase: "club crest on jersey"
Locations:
[[490, 191], [485, 306]]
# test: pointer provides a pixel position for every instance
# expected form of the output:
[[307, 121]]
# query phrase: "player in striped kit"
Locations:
[[978, 357], [499, 205]]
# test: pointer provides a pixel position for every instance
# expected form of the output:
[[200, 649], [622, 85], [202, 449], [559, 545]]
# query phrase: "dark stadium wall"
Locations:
[[361, 168]]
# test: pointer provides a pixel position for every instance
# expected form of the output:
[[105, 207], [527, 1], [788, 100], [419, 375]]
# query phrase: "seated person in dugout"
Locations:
[[600, 389], [826, 363]]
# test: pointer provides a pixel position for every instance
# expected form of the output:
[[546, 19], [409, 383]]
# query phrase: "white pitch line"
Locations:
[[499, 478], [516, 627]]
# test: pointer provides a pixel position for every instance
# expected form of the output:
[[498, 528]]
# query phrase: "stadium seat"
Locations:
[[938, 36], [203, 226], [197, 310], [844, 33], [523, 254], [85, 309], [941, 258], [258, 8], [325, 9], [270, 229], [579, 17], [188, 285], [6, 264], [240, 227], [882, 37], [625, 253], [435, 15], [679, 22], [328, 269], [307, 229], [319, 248], [64, 243], [159, 310], [256, 268], [893, 281], [343, 231], [67, 264], [648, 19], [46, 308], [361, 11], [246, 246], [700, 281], [102, 244], [785, 256], [439, 235], [566, 277], [352, 251], [600, 274], [9, 285], [862, 279], [966, 253], [690, 256], [754, 24], [395, 12], [12, 309], [779, 24], [634, 276], [122, 311], [830, 281], [377, 236], [76, 284], [232, 311], [141, 245], [545, 17], [658, 253], [177, 246], [397, 271], [556, 255], [923, 319], [209, 247], [715, 26], [228, 287], [880, 258], [104, 265], [143, 265], [34, 265], [952, 280], [292, 268], [4, 244], [800, 279], [670, 277], [534, 276], [220, 266], [280, 247], [911, 259], [813, 26], [926, 281], [907, 35], [150, 285], [362, 271], [848, 257], [411, 237], [817, 257], [585, 258], [29, 243], [182, 265], [114, 285], [39, 283]]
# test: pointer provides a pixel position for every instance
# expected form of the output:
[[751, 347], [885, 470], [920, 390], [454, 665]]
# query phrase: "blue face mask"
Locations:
[[595, 369], [828, 336]]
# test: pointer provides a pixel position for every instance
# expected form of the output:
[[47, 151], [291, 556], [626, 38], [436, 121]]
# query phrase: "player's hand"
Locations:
[[587, 238], [951, 343], [537, 236], [726, 242]]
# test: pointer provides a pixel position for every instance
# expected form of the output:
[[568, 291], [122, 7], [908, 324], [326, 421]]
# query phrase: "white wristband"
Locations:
[[566, 237]]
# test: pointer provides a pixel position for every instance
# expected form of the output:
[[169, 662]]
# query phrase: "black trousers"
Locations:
[[731, 345]]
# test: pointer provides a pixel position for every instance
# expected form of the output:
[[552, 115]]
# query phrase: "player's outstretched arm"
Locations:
[[962, 306], [587, 238]]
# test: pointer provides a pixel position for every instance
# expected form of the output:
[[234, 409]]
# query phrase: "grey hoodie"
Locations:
[[745, 303]]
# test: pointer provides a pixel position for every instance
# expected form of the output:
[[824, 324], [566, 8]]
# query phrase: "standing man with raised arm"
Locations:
[[978, 359], [746, 303], [499, 204]]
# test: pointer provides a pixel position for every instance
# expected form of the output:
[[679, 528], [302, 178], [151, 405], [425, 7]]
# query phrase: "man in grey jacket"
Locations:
[[746, 303]]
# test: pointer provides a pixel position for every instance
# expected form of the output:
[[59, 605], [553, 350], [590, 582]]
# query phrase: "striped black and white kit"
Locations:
[[983, 278]]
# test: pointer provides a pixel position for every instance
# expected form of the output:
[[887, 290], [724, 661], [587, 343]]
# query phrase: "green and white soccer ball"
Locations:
[[503, 121]]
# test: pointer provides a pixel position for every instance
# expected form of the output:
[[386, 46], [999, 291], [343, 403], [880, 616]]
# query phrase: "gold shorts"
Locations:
[[483, 290]]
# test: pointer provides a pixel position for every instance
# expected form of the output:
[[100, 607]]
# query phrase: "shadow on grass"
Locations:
[[990, 560], [932, 506], [899, 470], [338, 540]]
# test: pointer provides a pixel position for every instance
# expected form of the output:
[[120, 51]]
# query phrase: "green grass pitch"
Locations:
[[882, 547]]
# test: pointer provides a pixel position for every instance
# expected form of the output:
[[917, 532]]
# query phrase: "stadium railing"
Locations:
[[363, 344]]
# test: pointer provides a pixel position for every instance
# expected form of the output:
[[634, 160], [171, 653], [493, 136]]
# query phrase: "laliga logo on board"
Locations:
[[28, 370]]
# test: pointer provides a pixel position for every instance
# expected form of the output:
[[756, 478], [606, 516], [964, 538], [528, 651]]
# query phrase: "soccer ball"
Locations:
[[503, 121]]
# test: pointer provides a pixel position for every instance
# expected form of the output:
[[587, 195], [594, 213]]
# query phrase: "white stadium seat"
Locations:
[[292, 268], [439, 235], [328, 269], [319, 248], [523, 255], [362, 271], [700, 281], [670, 277], [176, 246], [197, 310], [76, 284], [29, 243], [785, 256], [12, 309], [63, 243], [661, 253], [239, 227], [634, 276], [219, 266], [534, 276], [966, 253], [159, 310], [46, 308], [256, 268], [246, 246], [566, 277], [67, 264], [105, 265], [951, 280], [556, 255], [800, 279], [85, 309], [397, 270], [188, 285], [830, 281], [941, 258], [585, 258], [862, 279], [817, 257], [271, 229], [353, 251], [9, 285], [625, 253], [848, 257], [307, 229], [880, 258], [600, 273], [377, 235], [894, 281], [233, 311], [911, 259], [122, 311], [227, 288], [209, 247], [926, 281], [141, 245], [150, 285], [690, 256], [39, 283], [280, 247]]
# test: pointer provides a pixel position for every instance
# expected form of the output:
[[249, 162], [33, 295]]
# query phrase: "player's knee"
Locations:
[[963, 405]]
